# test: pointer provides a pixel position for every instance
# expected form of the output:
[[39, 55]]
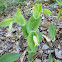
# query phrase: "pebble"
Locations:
[[59, 46], [43, 17], [25, 44], [17, 43], [4, 47], [41, 52], [0, 30], [12, 41], [37, 60], [45, 46], [46, 60], [49, 51], [1, 51]]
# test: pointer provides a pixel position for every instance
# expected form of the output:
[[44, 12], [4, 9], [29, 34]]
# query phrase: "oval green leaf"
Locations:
[[9, 57], [37, 11], [6, 22], [19, 18], [47, 11], [32, 24], [52, 32]]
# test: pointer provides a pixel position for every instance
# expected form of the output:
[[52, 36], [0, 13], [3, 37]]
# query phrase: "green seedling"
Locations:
[[60, 3], [30, 27]]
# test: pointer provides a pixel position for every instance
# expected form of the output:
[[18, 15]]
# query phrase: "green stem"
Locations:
[[30, 54], [10, 28]]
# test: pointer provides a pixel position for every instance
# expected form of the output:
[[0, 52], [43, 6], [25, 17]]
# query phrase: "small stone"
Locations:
[[17, 43], [1, 51], [25, 44], [50, 51], [46, 60], [45, 0], [45, 46], [41, 52], [43, 17], [12, 41], [0, 30], [4, 47], [37, 60]]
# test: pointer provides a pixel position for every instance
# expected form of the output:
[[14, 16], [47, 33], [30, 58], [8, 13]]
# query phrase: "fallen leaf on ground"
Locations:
[[22, 56], [47, 38]]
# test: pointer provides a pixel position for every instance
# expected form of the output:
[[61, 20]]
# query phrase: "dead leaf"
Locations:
[[22, 56], [47, 38]]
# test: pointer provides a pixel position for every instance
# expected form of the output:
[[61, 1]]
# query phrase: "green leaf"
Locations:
[[9, 57], [32, 24], [37, 11], [47, 11], [40, 36], [52, 32], [19, 18], [24, 30], [6, 22], [50, 58], [59, 2], [30, 41], [58, 17]]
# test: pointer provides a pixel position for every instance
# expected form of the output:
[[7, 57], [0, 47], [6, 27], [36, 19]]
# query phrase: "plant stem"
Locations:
[[10, 28]]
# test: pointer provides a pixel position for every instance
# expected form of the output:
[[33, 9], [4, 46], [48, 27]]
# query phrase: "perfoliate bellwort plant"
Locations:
[[29, 28]]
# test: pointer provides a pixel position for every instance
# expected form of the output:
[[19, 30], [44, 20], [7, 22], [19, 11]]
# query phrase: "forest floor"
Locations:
[[18, 43]]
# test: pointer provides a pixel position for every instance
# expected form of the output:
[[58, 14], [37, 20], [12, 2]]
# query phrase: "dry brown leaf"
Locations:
[[22, 56], [9, 36], [47, 38]]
